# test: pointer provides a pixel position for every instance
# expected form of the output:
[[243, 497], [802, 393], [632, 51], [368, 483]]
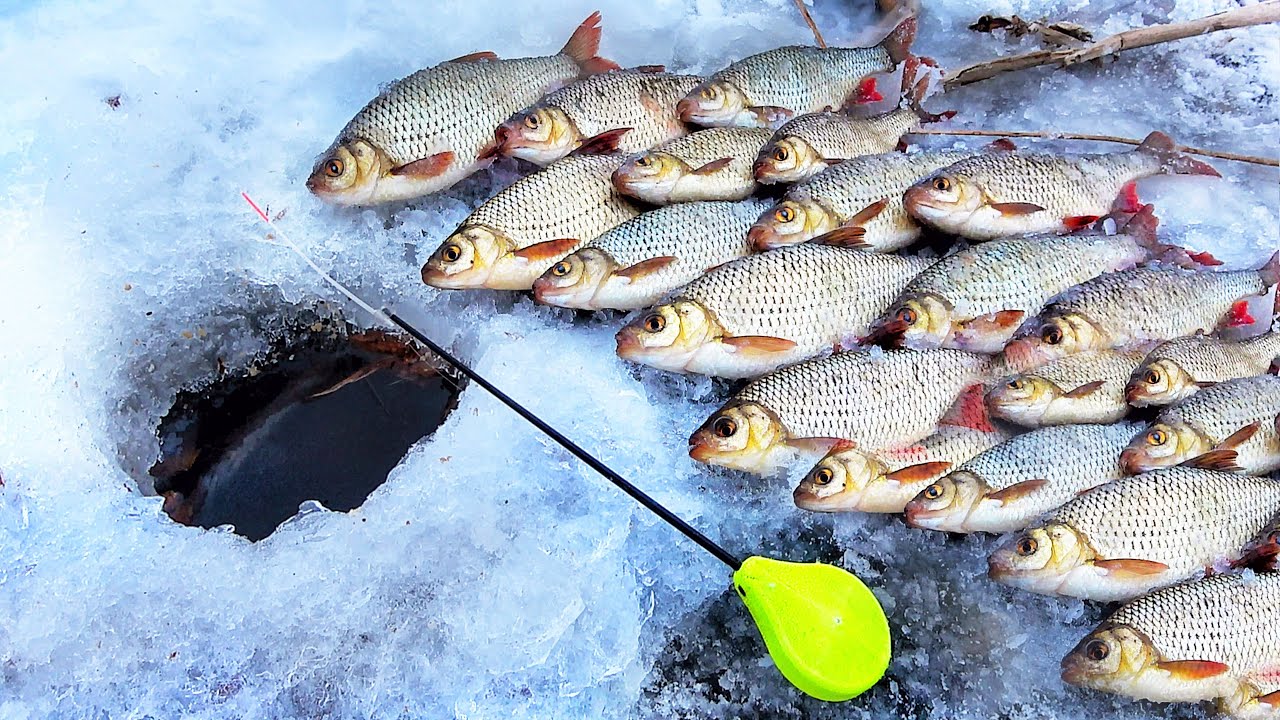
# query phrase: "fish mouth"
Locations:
[[998, 569], [1132, 462], [1134, 395], [701, 451], [917, 202], [629, 347], [1024, 355], [763, 237], [440, 279], [1074, 671], [918, 517], [688, 110], [892, 334], [761, 171]]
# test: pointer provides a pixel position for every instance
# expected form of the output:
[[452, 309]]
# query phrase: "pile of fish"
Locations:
[[1063, 376]]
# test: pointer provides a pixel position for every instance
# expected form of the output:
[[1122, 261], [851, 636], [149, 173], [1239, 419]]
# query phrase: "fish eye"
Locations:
[[908, 316], [785, 214], [655, 323], [780, 153], [334, 167], [942, 184], [933, 492], [560, 269], [709, 92], [644, 161], [1152, 377], [1015, 384], [451, 252], [1157, 437], [1051, 334], [724, 427], [531, 121], [823, 476], [1097, 650], [1027, 546]]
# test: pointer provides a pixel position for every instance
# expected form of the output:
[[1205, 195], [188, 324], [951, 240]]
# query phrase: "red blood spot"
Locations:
[[867, 92], [1128, 201], [1239, 315]]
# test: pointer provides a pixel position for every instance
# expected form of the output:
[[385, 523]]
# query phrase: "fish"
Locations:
[[761, 312], [875, 400], [711, 164], [849, 479], [977, 298], [1005, 488], [429, 130], [1230, 426], [513, 237], [621, 111], [1213, 639], [808, 144], [1176, 369], [1084, 388], [639, 262], [1136, 534], [857, 202], [999, 194], [1146, 304], [767, 88]]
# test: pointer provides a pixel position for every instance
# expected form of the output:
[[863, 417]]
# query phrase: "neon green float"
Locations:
[[824, 629]]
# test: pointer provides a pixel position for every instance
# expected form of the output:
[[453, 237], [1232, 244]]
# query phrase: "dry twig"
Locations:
[[804, 12], [1053, 135], [1266, 11]]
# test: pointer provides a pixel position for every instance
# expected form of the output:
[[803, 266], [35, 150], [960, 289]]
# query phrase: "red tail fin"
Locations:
[[583, 45], [1172, 161], [898, 42], [970, 410]]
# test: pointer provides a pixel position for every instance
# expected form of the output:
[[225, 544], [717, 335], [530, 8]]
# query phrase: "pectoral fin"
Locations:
[[1085, 390], [1017, 491], [602, 144], [1193, 669], [919, 472], [849, 236], [1132, 567], [427, 167], [645, 267], [1016, 208], [761, 344], [1272, 699], [866, 214], [1239, 437], [547, 251], [1222, 460]]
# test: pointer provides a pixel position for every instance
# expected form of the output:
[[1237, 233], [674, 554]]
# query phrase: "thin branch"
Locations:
[[804, 12], [1266, 11], [1054, 135]]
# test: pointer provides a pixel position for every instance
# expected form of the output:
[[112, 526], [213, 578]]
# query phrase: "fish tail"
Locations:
[[583, 45], [898, 42], [914, 91], [1162, 147], [1270, 272]]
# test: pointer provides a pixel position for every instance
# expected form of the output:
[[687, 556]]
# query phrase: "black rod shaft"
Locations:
[[654, 506]]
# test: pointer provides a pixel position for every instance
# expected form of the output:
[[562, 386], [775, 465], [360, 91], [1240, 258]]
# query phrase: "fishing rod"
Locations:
[[824, 629]]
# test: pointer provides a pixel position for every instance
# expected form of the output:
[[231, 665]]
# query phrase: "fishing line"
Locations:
[[391, 319]]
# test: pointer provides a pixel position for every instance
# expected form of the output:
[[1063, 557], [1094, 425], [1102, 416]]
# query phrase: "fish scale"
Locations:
[[877, 400], [1217, 412], [425, 113], [1226, 619], [805, 78], [1185, 518], [612, 100], [570, 198], [815, 295], [1156, 303], [839, 135]]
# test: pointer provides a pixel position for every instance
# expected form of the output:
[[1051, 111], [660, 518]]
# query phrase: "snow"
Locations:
[[492, 576]]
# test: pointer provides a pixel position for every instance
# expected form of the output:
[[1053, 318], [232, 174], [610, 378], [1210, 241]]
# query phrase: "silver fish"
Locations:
[[712, 164], [808, 144], [1083, 388], [1176, 369]]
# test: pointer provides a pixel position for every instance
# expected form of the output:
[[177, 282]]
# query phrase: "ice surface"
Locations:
[[492, 576]]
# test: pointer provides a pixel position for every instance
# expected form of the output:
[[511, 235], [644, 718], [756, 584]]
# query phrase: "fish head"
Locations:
[[669, 335], [714, 103], [787, 159], [1159, 382], [1162, 445], [745, 436], [573, 281], [946, 200], [1039, 558], [945, 503], [541, 135], [650, 176], [1113, 658], [348, 173], [1056, 336], [1022, 399], [790, 222], [921, 321], [839, 482], [466, 258]]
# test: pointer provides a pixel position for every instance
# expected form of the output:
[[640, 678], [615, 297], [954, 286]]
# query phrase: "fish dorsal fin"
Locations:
[[918, 472], [1002, 145], [1193, 669], [602, 144], [650, 68], [1017, 491], [547, 250], [759, 344], [1016, 208], [713, 166], [1132, 567], [1085, 390], [427, 167], [1222, 460], [1239, 437], [645, 267], [475, 57]]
